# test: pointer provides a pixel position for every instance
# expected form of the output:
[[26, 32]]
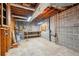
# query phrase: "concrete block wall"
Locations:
[[67, 27], [31, 27], [45, 34], [26, 27]]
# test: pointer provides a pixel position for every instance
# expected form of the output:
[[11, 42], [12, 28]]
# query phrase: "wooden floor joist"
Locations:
[[19, 6], [21, 17]]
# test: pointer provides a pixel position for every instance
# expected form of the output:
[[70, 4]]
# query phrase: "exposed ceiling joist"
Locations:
[[39, 13], [21, 17], [61, 5], [19, 6]]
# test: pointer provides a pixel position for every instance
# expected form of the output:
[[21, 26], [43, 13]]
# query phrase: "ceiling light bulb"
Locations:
[[29, 18]]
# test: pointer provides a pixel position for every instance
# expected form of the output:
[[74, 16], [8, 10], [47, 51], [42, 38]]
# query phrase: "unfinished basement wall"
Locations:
[[24, 27], [67, 27], [27, 27], [45, 34], [31, 27]]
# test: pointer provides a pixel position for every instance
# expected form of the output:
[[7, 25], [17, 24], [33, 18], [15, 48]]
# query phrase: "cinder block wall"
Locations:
[[27, 26], [67, 27], [45, 34]]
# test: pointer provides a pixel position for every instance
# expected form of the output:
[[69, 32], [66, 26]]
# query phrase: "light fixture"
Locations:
[[40, 23], [29, 19]]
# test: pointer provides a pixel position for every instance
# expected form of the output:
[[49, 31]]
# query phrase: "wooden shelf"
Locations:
[[5, 40], [4, 17], [4, 9], [32, 34]]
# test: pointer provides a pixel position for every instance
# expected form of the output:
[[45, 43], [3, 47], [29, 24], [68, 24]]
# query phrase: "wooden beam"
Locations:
[[9, 13], [20, 6], [15, 16]]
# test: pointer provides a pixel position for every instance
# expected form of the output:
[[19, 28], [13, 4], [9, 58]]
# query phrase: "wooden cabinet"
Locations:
[[5, 39], [4, 29]]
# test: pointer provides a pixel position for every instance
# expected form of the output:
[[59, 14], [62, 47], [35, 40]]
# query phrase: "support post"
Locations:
[[49, 30]]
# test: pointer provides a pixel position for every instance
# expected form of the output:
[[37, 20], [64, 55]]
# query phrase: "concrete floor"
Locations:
[[40, 47]]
